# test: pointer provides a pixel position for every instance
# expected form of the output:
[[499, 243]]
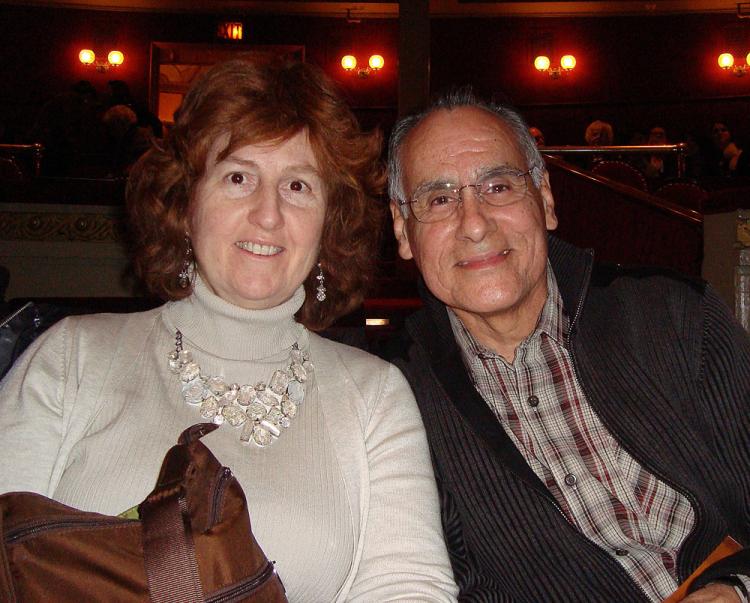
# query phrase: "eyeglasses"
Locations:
[[438, 201]]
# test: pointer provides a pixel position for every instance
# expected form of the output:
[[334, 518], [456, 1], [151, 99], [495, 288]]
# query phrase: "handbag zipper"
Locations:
[[225, 474], [245, 587], [21, 532]]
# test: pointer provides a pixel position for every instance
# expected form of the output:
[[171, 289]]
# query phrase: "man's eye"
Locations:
[[439, 200], [496, 187]]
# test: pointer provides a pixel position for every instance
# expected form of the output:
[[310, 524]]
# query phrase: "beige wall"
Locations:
[[63, 251]]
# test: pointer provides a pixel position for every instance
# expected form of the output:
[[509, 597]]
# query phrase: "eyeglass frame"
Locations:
[[457, 190]]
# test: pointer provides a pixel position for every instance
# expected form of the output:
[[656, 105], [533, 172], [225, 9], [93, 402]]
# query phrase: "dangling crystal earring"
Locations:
[[183, 278], [321, 295]]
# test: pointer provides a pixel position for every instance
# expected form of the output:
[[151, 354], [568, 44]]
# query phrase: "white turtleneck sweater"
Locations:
[[344, 501]]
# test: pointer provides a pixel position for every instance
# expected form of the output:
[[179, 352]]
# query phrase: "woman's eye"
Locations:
[[298, 186], [239, 184], [237, 178]]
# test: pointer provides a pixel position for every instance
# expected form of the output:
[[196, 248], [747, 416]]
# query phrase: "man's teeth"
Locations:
[[258, 249]]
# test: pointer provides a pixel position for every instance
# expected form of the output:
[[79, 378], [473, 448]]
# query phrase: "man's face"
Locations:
[[483, 260]]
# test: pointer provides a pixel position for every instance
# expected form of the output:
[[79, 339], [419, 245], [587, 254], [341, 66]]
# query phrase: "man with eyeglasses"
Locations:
[[589, 426]]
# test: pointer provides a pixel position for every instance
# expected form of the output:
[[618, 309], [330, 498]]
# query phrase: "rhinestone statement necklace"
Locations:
[[261, 410]]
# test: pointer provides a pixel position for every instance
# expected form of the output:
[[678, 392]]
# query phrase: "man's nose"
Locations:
[[474, 221]]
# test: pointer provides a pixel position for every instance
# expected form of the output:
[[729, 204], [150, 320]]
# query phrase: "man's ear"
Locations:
[[550, 219], [399, 231]]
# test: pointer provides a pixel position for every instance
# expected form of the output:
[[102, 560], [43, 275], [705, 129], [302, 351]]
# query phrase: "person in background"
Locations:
[[69, 127], [537, 135], [126, 140], [119, 94], [657, 167], [257, 220], [729, 159], [589, 425], [599, 134]]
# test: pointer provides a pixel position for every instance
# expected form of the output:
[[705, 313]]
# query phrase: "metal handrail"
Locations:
[[36, 149], [679, 149]]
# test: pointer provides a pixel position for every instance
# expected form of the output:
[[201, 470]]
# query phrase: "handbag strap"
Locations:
[[169, 552], [168, 547]]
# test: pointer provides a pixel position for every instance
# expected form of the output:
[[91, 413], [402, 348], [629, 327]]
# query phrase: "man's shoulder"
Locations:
[[605, 275], [398, 345]]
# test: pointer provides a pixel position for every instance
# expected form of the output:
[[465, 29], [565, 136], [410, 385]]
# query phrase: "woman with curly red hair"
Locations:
[[256, 220]]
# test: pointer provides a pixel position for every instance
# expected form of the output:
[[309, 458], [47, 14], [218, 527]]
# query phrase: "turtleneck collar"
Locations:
[[224, 330]]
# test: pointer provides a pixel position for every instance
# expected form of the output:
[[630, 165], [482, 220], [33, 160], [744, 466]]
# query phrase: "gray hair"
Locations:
[[455, 99]]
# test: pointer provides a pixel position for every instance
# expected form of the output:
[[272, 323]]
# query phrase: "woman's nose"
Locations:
[[266, 209]]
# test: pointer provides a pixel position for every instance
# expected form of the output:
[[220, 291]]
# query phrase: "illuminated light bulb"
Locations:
[[376, 62], [115, 57], [348, 62], [747, 58], [568, 62], [726, 60], [86, 56], [541, 63]]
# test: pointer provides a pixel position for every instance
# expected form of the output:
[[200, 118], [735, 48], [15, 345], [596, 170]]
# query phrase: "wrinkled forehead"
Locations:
[[455, 145]]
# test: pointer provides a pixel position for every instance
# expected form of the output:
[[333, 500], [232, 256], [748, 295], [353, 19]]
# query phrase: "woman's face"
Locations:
[[256, 221], [720, 135]]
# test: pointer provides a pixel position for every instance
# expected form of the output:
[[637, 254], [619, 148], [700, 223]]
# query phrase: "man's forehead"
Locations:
[[465, 138]]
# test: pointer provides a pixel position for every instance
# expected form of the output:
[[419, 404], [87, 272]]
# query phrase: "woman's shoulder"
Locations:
[[104, 327], [356, 360], [367, 378]]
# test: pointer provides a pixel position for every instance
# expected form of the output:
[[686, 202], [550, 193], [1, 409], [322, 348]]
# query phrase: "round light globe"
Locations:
[[726, 60], [115, 57], [348, 62], [541, 63]]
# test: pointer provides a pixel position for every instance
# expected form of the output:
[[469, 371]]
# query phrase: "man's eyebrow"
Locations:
[[479, 173], [432, 185], [496, 170]]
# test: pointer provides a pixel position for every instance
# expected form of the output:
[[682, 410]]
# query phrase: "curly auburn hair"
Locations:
[[252, 103]]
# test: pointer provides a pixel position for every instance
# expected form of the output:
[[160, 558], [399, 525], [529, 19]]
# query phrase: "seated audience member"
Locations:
[[537, 135], [589, 426], [659, 166], [598, 134], [727, 157], [126, 140], [69, 127], [257, 218], [119, 94]]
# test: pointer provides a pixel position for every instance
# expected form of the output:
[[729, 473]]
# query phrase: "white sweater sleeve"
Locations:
[[32, 413], [404, 556]]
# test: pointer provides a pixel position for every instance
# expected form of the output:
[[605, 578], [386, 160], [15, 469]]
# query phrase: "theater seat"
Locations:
[[621, 172], [684, 192]]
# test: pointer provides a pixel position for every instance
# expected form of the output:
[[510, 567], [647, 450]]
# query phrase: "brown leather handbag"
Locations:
[[192, 543]]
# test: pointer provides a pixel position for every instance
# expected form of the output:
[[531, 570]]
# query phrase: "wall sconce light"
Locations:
[[374, 63], [115, 58], [726, 62], [567, 63], [230, 30]]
